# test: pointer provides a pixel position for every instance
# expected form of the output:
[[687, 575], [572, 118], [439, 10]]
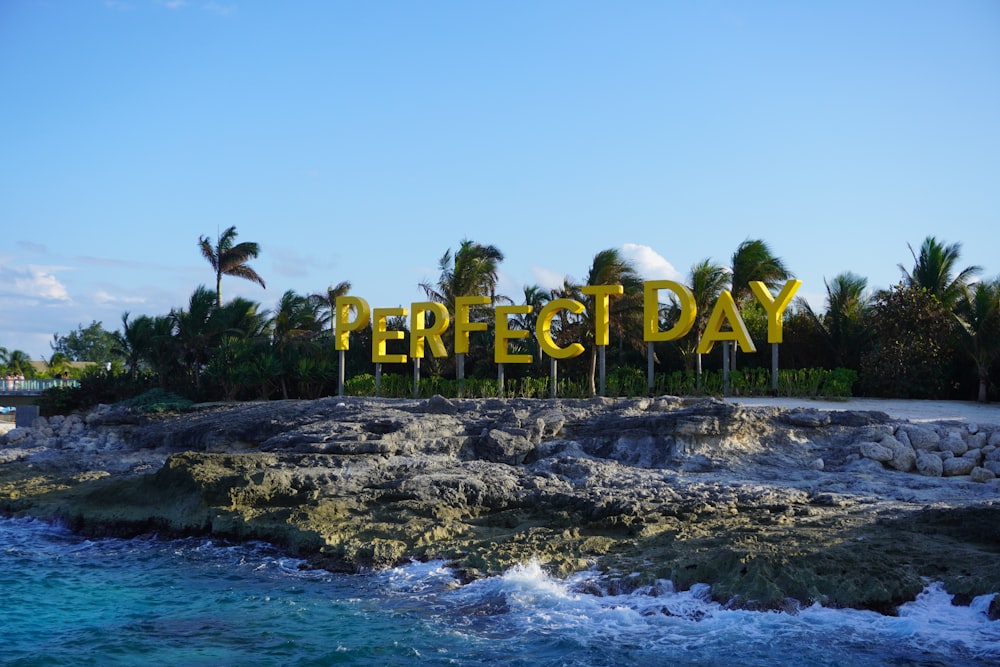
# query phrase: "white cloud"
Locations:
[[650, 264], [37, 282], [174, 4], [546, 278], [105, 299]]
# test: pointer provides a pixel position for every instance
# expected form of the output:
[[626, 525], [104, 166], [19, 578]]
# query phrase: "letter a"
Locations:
[[725, 310]]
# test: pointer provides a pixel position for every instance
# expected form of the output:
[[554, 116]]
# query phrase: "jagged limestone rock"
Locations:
[[762, 505]]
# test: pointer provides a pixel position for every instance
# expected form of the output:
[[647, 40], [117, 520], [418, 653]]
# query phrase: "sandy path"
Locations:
[[915, 411]]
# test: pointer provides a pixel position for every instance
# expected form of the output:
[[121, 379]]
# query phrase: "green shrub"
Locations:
[[157, 400], [360, 385]]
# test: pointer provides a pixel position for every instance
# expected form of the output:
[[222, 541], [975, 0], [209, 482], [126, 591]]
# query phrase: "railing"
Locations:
[[27, 387]]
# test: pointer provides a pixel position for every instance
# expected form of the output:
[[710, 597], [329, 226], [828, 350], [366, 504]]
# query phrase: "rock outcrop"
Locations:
[[765, 504]]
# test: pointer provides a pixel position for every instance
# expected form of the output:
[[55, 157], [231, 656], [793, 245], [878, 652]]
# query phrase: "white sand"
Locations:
[[915, 411]]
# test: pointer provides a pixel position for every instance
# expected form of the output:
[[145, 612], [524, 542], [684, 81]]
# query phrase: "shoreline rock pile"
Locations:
[[938, 450]]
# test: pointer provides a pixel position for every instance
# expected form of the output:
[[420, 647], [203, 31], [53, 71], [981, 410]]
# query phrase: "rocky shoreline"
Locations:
[[771, 507]]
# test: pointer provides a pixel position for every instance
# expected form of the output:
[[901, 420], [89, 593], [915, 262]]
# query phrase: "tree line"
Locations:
[[935, 334]]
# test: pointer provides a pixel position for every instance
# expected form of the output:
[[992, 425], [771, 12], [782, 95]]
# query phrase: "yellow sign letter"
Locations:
[[462, 324], [600, 314], [501, 353], [419, 333], [381, 334], [775, 307], [651, 311], [543, 328], [725, 309], [344, 326]]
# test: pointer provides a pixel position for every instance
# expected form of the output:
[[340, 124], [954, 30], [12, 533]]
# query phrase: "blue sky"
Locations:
[[360, 140]]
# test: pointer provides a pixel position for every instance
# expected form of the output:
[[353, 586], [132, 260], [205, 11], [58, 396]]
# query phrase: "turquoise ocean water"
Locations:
[[67, 600]]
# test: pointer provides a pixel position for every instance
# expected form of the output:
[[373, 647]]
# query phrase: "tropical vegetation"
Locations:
[[935, 334]]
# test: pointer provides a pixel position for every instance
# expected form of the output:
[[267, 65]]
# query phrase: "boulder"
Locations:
[[954, 444], [876, 452], [981, 474], [16, 435], [974, 454], [929, 464], [956, 466], [904, 458], [922, 437], [504, 447], [978, 440]]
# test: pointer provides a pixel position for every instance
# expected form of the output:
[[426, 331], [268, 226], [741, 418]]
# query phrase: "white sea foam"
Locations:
[[527, 600]]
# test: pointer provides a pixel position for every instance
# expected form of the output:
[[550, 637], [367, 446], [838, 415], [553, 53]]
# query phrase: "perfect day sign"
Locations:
[[724, 323]]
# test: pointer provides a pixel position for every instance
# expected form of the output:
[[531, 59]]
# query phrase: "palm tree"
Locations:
[[134, 342], [754, 261], [978, 314], [58, 364], [18, 361], [707, 280], [296, 322], [536, 298], [843, 323], [472, 271], [933, 269], [161, 349], [231, 260], [610, 268], [195, 333], [296, 317], [241, 317], [327, 303]]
